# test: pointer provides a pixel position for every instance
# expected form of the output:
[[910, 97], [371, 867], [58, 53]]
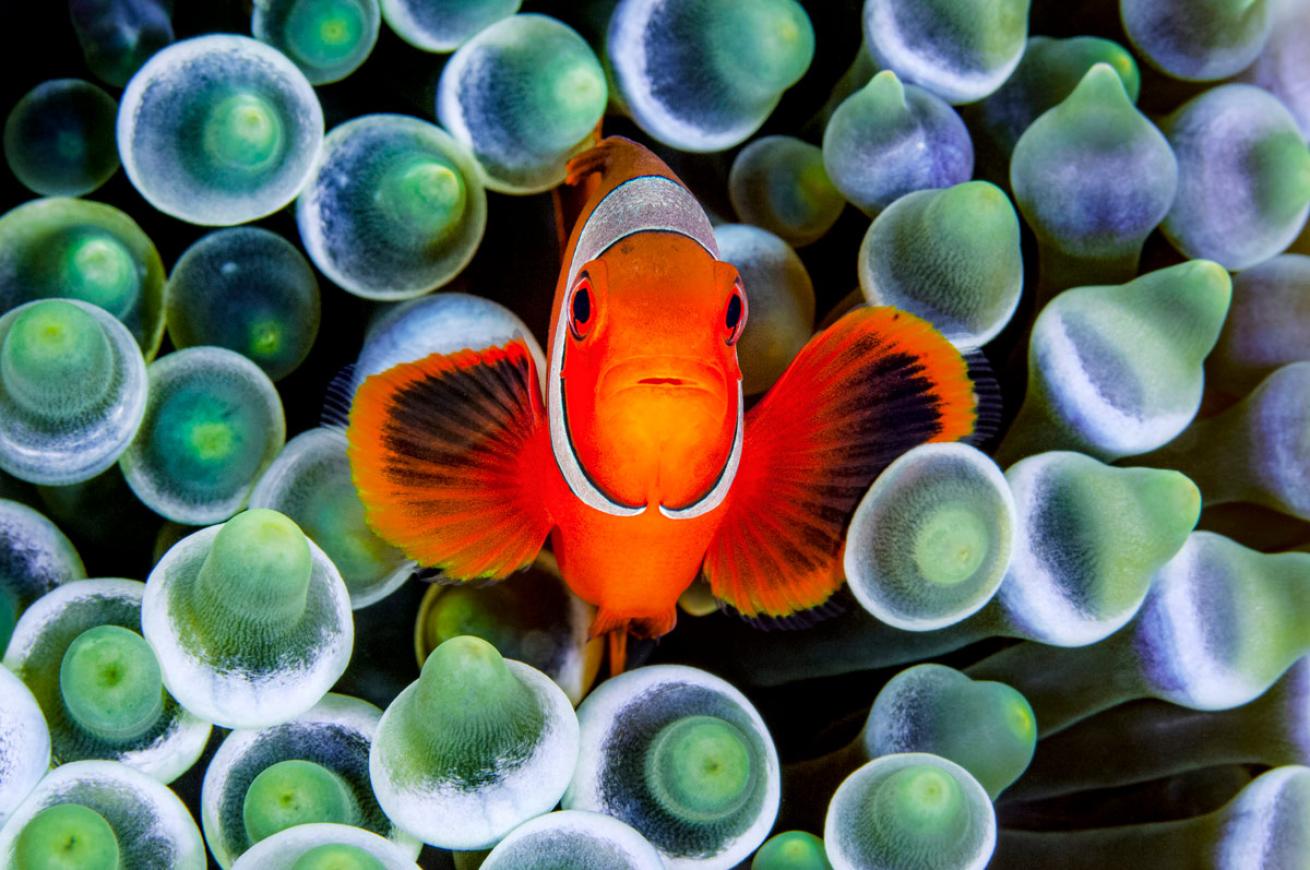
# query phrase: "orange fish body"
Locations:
[[643, 393], [641, 463]]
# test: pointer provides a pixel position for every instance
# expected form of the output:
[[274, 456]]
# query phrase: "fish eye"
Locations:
[[580, 308], [734, 316]]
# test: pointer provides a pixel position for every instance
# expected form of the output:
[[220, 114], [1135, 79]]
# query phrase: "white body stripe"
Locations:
[[719, 491]]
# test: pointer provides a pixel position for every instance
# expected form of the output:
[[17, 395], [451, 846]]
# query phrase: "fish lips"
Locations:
[[666, 374]]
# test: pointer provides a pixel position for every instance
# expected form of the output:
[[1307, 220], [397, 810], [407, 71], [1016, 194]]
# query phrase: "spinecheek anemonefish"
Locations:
[[641, 463]]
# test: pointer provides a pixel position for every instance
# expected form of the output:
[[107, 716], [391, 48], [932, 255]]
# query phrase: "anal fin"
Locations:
[[448, 454]]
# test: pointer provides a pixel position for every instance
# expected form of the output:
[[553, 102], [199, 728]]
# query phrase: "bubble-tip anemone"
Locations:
[[959, 51], [219, 130], [25, 754], [474, 748], [250, 620], [35, 557], [524, 95], [310, 770], [79, 249], [575, 839], [778, 183], [325, 846], [146, 823], [248, 290], [683, 757], [99, 683], [327, 39], [910, 810], [213, 423], [310, 482], [394, 208], [59, 138], [931, 540], [703, 76], [891, 138], [73, 391]]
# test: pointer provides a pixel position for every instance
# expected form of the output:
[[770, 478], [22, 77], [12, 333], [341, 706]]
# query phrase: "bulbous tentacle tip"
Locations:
[[337, 856], [1101, 85], [791, 850], [260, 563], [469, 655], [700, 768], [1171, 496], [467, 676], [976, 194], [328, 846], [53, 345], [1207, 273], [905, 805], [888, 90], [1121, 61]]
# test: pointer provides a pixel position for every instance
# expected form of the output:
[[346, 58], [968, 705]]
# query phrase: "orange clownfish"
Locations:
[[641, 462]]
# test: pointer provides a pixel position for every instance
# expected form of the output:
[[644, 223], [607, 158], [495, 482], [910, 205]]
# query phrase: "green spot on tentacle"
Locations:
[[110, 683], [570, 96], [920, 804], [325, 32], [211, 441], [295, 792], [98, 268], [66, 837], [426, 195], [764, 46], [885, 95], [791, 850], [1281, 166], [951, 544], [245, 132], [699, 768], [265, 338]]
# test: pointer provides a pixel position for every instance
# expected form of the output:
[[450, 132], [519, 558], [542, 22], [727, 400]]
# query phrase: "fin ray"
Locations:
[[335, 413]]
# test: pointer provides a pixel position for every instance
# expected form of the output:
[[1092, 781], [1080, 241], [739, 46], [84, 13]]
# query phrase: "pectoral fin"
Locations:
[[876, 383], [448, 454]]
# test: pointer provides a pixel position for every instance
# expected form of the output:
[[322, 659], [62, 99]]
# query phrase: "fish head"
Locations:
[[649, 383]]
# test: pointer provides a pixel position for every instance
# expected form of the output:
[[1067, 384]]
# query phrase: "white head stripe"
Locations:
[[647, 203]]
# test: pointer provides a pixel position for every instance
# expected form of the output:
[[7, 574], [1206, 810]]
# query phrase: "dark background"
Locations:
[[517, 265]]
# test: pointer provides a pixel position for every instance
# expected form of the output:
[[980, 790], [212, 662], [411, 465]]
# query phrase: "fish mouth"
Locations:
[[662, 373], [671, 382]]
